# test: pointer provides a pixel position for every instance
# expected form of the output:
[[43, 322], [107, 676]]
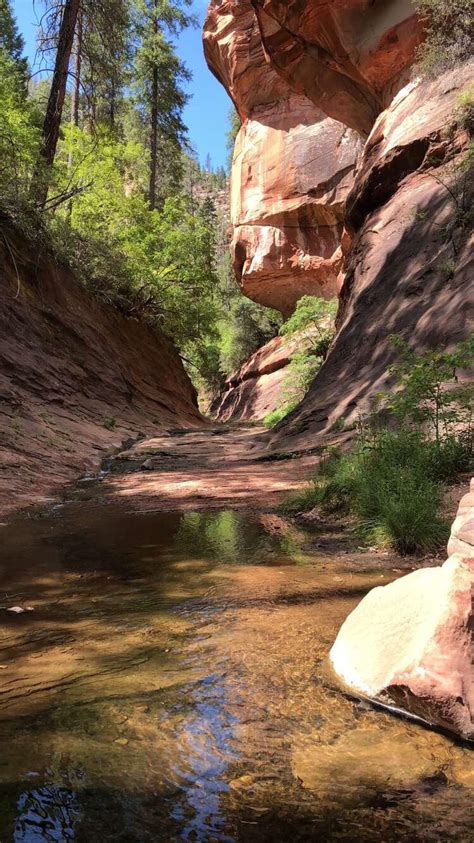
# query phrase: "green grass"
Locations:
[[276, 416], [393, 483]]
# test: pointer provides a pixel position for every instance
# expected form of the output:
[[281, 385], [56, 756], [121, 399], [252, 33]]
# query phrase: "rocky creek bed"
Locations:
[[168, 679]]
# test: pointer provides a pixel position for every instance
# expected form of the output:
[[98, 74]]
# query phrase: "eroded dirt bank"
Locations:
[[76, 377]]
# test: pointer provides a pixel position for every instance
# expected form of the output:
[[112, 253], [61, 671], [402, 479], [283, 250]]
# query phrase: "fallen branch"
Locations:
[[55, 201]]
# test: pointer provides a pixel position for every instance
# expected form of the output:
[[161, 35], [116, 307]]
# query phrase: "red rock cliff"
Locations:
[[407, 261], [292, 171], [76, 377]]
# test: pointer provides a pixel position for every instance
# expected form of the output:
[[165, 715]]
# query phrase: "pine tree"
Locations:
[[57, 94], [159, 75], [208, 214], [11, 41], [105, 58]]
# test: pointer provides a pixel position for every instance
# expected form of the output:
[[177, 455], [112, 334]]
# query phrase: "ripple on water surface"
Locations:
[[171, 684]]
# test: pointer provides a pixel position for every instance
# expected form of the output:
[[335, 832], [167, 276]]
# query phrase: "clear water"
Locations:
[[171, 684]]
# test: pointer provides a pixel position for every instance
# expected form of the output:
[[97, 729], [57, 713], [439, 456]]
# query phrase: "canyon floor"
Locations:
[[165, 675]]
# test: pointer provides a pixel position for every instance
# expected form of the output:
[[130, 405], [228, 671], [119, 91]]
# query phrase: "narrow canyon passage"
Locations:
[[168, 677]]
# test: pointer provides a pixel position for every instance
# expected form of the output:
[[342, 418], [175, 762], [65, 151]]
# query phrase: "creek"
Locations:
[[168, 681]]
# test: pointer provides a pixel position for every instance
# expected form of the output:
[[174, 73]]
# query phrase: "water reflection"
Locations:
[[206, 749], [48, 814], [177, 662]]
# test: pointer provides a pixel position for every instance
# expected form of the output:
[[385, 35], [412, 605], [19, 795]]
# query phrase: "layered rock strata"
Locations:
[[409, 270], [292, 170], [409, 645], [258, 387], [76, 377], [406, 262], [349, 57]]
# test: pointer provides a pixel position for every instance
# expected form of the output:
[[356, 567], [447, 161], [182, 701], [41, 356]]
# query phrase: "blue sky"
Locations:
[[205, 114]]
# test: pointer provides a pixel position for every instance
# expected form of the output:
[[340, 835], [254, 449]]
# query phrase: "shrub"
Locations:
[[392, 481], [313, 322], [449, 33], [276, 416], [430, 394]]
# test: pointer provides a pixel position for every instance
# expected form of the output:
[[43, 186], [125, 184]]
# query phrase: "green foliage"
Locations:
[[234, 127], [311, 313], [162, 259], [449, 33], [245, 329], [18, 138], [155, 52], [11, 42], [465, 109], [276, 416], [392, 480], [423, 397], [313, 322], [158, 265]]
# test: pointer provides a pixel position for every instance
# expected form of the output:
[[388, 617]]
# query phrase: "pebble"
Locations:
[[243, 781]]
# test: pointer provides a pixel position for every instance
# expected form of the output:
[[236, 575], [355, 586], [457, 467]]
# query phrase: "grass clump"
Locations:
[[393, 480], [391, 483]]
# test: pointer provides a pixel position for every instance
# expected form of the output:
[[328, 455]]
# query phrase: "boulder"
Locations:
[[409, 645], [462, 532]]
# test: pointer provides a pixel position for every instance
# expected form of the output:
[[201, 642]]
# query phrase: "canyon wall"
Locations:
[[76, 377], [292, 171], [410, 267], [258, 387], [403, 262]]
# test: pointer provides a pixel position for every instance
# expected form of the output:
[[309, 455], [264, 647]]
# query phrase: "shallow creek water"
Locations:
[[171, 683]]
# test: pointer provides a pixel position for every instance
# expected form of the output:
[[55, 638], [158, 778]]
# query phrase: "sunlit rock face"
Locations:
[[409, 645], [293, 169], [349, 57], [395, 278], [258, 387]]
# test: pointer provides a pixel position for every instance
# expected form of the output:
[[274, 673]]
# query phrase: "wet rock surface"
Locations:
[[410, 644]]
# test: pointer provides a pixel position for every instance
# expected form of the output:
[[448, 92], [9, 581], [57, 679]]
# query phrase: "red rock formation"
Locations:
[[76, 378], [292, 170], [349, 57], [403, 274], [409, 644], [256, 389]]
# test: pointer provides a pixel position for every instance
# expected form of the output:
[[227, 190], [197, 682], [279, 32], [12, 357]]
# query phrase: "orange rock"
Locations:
[[292, 171], [348, 57], [409, 645], [256, 389], [77, 378], [395, 280]]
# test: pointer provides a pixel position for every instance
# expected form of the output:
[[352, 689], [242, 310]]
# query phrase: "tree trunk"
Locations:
[[154, 123], [76, 84], [153, 138], [54, 110]]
